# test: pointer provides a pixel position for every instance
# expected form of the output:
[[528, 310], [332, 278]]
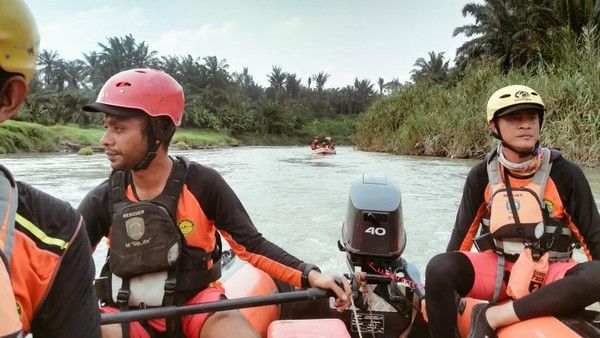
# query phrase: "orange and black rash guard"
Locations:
[[52, 269], [567, 188], [206, 204]]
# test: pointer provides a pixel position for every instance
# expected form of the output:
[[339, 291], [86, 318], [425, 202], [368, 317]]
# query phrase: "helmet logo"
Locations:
[[522, 95]]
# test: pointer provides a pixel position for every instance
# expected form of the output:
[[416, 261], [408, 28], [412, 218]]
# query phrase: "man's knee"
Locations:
[[440, 267], [228, 324], [588, 274]]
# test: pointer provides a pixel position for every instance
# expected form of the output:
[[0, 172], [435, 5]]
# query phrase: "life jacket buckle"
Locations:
[[170, 286], [122, 296]]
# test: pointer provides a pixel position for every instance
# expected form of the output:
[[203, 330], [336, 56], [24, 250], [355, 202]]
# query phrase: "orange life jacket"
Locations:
[[519, 217]]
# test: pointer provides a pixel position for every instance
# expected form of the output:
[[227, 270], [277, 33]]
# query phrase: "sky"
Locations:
[[346, 39]]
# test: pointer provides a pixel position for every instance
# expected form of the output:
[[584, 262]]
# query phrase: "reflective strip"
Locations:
[[37, 232], [499, 279]]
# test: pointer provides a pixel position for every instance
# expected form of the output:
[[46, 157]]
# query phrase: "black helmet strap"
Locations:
[[156, 130]]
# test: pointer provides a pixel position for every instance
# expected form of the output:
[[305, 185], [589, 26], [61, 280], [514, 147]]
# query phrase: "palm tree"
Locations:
[[393, 85], [49, 61], [247, 86], [75, 73], [381, 84], [320, 80], [276, 80], [171, 65], [347, 101], [434, 69], [92, 69], [292, 86], [364, 93], [576, 14], [121, 53], [512, 31], [216, 72]]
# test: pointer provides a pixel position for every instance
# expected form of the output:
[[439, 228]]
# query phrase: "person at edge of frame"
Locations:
[[47, 269], [533, 207]]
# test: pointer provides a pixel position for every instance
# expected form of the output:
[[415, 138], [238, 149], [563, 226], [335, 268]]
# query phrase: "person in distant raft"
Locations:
[[533, 207], [314, 144], [165, 216], [47, 270]]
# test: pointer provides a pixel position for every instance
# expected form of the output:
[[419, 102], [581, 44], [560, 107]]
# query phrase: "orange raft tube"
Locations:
[[564, 327], [241, 279]]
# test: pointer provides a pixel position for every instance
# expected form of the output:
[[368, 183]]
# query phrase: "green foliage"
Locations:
[[434, 69], [18, 136], [85, 151], [75, 134], [430, 119], [515, 33], [341, 129], [198, 139]]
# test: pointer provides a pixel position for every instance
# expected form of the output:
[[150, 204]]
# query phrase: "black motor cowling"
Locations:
[[373, 231]]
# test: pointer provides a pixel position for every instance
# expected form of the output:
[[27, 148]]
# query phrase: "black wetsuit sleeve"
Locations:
[[220, 203], [94, 209], [576, 194], [471, 201], [70, 308]]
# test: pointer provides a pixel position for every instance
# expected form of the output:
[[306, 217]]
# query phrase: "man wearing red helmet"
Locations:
[[533, 207], [46, 268], [165, 216]]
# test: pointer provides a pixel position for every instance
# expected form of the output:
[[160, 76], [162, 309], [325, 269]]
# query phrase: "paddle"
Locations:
[[221, 305]]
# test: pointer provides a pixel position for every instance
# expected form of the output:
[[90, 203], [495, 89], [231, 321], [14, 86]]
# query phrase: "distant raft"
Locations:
[[324, 151]]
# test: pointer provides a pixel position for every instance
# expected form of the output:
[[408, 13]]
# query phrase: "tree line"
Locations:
[[216, 98]]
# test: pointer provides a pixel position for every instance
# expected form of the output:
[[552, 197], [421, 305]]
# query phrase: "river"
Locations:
[[296, 199]]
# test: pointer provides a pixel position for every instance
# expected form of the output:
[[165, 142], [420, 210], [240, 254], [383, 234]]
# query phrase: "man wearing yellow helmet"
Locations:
[[47, 289], [531, 207]]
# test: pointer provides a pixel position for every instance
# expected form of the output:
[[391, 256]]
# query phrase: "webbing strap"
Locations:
[[541, 175], [499, 278], [9, 198], [123, 303], [511, 199]]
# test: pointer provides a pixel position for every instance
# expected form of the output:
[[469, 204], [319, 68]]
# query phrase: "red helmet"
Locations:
[[152, 91]]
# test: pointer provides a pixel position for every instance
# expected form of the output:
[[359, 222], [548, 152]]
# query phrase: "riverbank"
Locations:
[[23, 137]]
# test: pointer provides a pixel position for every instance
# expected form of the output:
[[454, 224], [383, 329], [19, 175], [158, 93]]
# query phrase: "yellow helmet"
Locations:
[[19, 38], [513, 98]]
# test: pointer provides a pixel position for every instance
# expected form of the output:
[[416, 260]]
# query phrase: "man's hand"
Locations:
[[323, 281]]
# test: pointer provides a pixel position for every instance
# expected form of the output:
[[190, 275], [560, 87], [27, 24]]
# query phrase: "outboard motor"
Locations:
[[373, 232], [374, 238]]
